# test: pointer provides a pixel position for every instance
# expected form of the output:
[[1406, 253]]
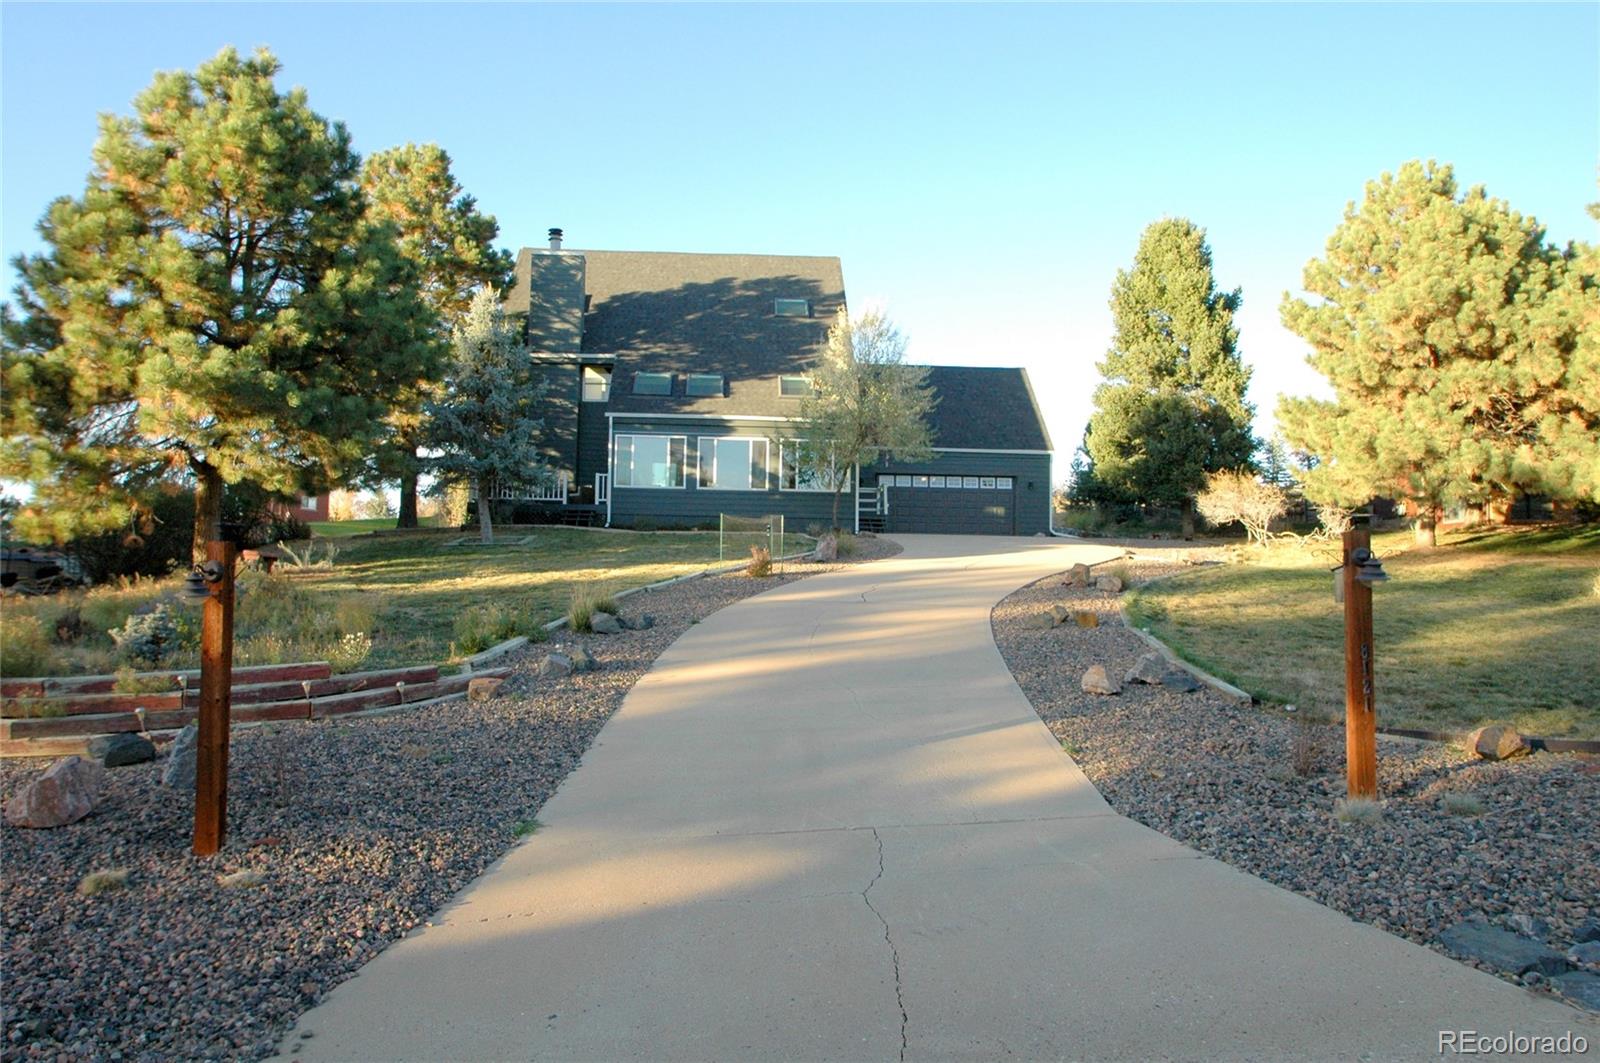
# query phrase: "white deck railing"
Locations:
[[549, 491], [602, 488]]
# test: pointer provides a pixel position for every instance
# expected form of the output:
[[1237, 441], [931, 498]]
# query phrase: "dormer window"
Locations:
[[652, 383], [794, 387], [596, 384], [704, 385], [791, 307]]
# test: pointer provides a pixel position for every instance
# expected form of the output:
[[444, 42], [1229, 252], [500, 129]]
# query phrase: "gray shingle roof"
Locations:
[[984, 408]]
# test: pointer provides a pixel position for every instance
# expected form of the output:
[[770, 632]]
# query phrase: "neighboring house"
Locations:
[[675, 384], [308, 508]]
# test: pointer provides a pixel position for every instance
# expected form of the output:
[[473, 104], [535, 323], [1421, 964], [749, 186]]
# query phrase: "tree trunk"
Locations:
[[838, 493], [1188, 518], [485, 520], [408, 496], [207, 506], [1427, 522]]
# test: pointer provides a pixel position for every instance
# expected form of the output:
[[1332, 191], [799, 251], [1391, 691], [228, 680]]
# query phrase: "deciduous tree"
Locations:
[[1171, 408], [866, 403], [215, 305], [440, 230], [484, 425], [1237, 495]]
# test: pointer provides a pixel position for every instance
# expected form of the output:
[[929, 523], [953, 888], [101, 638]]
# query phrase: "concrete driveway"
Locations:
[[827, 825]]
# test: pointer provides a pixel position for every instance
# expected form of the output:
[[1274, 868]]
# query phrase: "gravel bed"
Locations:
[[1222, 779], [362, 827]]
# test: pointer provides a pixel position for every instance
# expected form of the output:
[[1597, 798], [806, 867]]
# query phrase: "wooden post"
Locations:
[[1360, 711], [216, 683]]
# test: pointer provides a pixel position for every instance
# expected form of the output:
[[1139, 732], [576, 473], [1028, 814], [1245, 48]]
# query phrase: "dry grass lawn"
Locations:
[[1499, 625]]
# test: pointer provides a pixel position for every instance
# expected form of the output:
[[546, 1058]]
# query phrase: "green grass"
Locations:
[[1497, 625], [405, 591], [339, 529]]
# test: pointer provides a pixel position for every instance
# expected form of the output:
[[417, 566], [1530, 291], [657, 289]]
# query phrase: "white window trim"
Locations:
[[798, 490], [616, 467], [766, 465]]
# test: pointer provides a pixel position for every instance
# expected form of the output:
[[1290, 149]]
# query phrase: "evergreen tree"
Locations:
[[451, 243], [483, 423], [1171, 408], [1276, 463], [1437, 323], [215, 303], [866, 403], [1569, 420]]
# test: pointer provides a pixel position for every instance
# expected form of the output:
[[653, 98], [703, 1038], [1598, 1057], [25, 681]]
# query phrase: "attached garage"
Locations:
[[949, 505]]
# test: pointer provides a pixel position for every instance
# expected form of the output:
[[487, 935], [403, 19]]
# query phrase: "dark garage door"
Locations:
[[952, 505]]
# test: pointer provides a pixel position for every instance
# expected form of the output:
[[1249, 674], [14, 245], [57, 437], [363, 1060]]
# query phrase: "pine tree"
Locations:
[[483, 424], [1171, 408], [451, 243], [215, 305], [1436, 322], [866, 403]]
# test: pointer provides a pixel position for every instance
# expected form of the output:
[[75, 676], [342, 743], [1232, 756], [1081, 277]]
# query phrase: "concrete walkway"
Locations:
[[827, 825]]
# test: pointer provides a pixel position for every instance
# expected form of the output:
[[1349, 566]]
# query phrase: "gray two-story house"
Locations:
[[675, 387]]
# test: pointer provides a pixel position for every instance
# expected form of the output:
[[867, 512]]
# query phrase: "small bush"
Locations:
[[129, 681], [1463, 804], [147, 636], [483, 626], [525, 827], [69, 626], [1358, 811], [350, 652], [587, 600], [102, 881], [760, 565], [1306, 755], [24, 647], [848, 544]]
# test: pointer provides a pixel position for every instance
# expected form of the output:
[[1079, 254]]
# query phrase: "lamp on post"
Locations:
[[210, 584], [1360, 571]]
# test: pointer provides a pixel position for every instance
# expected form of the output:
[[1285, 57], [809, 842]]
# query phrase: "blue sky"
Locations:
[[981, 170]]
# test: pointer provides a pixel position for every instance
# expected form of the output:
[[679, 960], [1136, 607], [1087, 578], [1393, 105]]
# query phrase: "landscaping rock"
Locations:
[[179, 770], [1087, 619], [827, 548], [1078, 576], [581, 661], [1528, 925], [246, 879], [556, 664], [1181, 681], [1096, 681], [67, 791], [483, 688], [120, 750], [1060, 614], [1497, 743], [639, 623], [1502, 949], [1149, 669], [1111, 584], [605, 624], [1587, 931], [1038, 621], [1587, 953], [1580, 987]]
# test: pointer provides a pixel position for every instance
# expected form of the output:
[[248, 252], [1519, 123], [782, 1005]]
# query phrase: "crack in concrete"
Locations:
[[894, 953]]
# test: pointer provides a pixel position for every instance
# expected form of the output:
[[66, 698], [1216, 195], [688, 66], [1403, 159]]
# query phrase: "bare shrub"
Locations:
[[760, 565], [1239, 496]]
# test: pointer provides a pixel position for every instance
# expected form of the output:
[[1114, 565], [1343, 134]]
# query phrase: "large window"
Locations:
[[733, 464], [652, 383], [650, 461], [596, 384], [798, 474]]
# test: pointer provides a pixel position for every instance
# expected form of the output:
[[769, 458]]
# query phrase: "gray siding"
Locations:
[[1030, 499], [591, 443], [559, 410], [690, 505]]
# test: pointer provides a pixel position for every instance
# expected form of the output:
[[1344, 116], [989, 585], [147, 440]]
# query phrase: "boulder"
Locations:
[[483, 688], [1037, 621], [179, 768], [1580, 987], [1179, 680], [827, 548], [1111, 584], [643, 622], [1502, 949], [1096, 681], [1087, 619], [1149, 669], [64, 793], [1497, 742], [581, 661], [120, 750], [1060, 614], [1588, 930], [1586, 953], [1078, 576], [605, 624], [556, 664]]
